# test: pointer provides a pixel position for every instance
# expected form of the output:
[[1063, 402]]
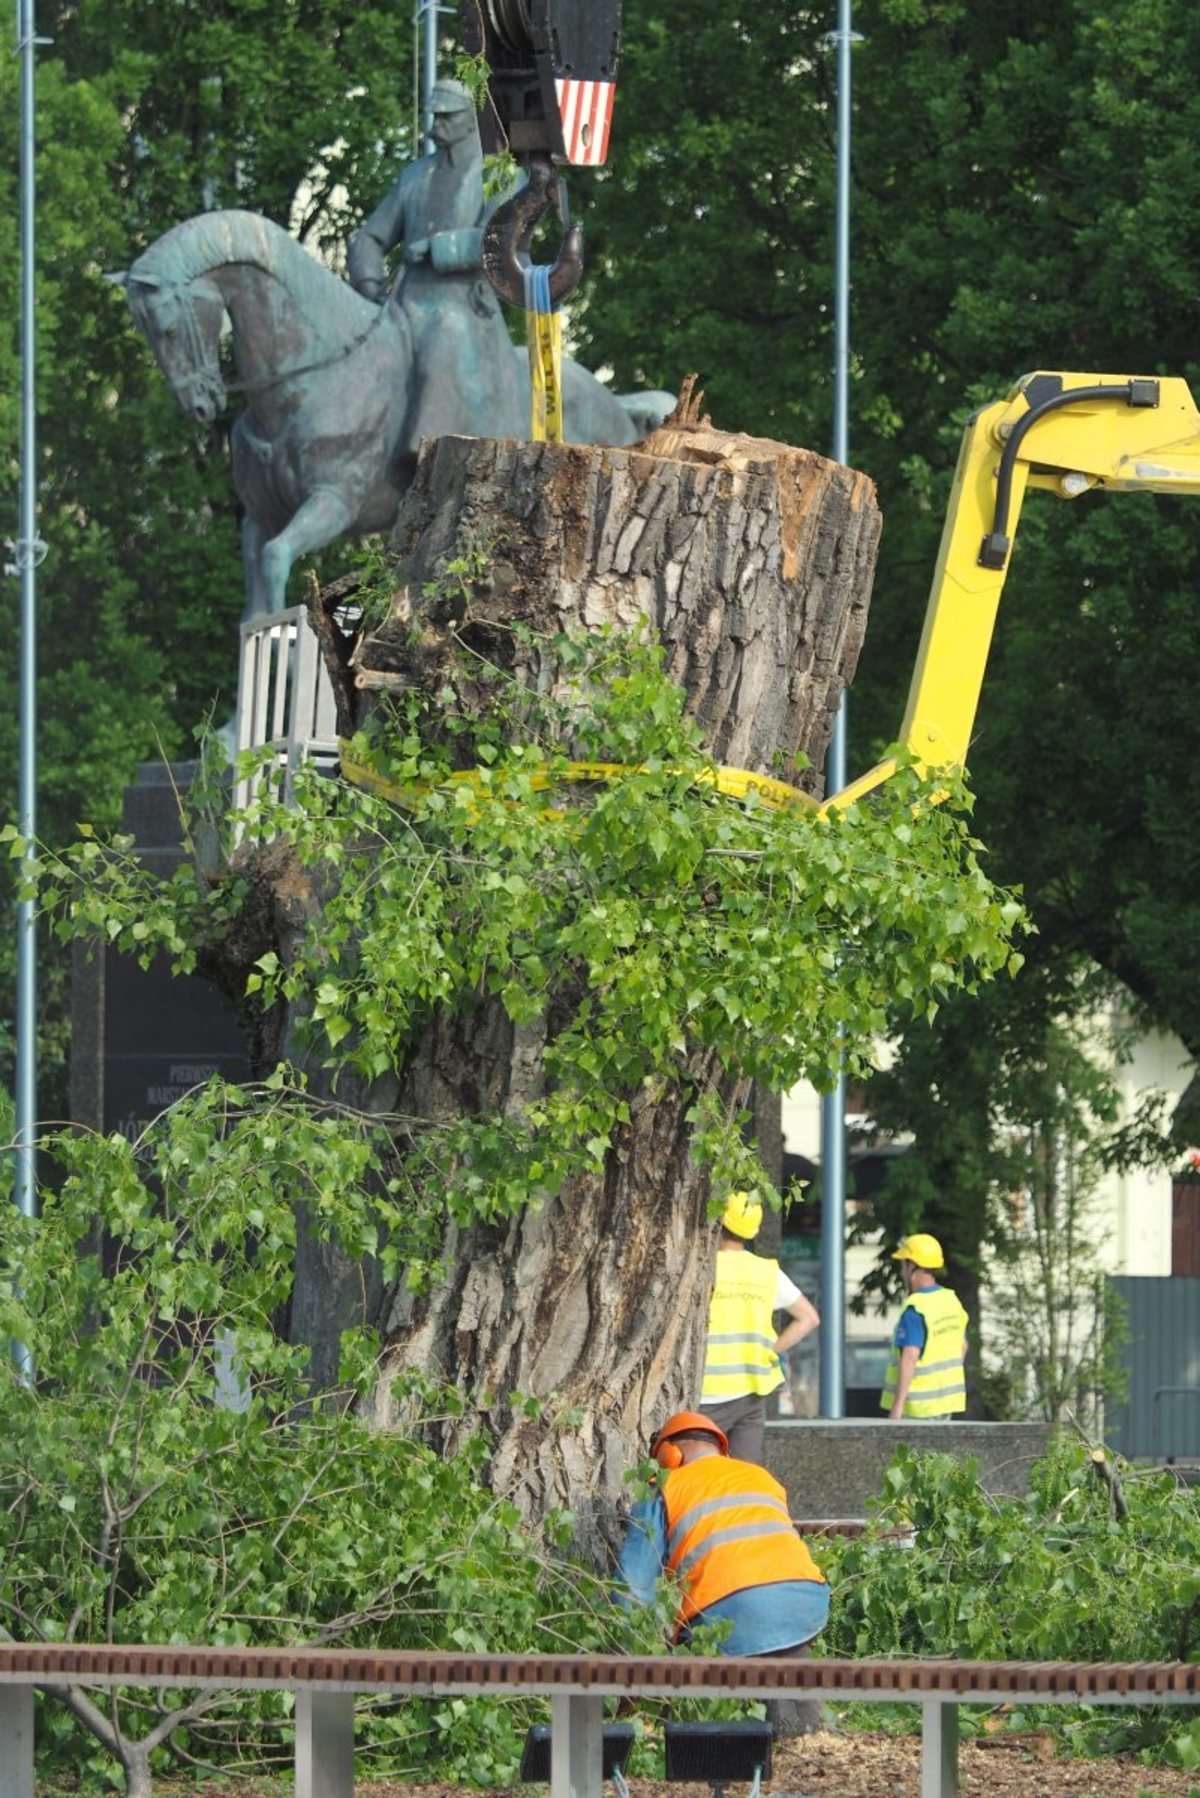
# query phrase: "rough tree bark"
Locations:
[[753, 563]]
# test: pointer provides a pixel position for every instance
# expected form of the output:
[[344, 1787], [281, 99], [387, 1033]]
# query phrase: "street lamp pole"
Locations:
[[425, 66], [833, 1104], [28, 551]]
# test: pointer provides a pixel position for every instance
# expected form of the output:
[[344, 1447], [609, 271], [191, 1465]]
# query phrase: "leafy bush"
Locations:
[[1053, 1576], [168, 1477]]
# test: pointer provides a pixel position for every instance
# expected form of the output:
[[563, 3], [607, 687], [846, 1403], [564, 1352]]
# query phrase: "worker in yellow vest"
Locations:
[[741, 1359], [925, 1374], [721, 1526]]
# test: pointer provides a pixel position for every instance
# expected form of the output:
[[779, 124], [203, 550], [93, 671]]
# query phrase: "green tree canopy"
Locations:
[[1024, 195], [1024, 187]]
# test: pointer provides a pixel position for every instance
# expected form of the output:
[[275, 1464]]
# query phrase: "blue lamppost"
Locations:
[[28, 551], [833, 1105]]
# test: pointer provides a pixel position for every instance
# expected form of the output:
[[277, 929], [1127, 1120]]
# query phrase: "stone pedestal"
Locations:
[[141, 1038], [832, 1469]]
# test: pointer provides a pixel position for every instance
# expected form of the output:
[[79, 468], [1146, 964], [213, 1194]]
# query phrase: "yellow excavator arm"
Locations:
[[1067, 433]]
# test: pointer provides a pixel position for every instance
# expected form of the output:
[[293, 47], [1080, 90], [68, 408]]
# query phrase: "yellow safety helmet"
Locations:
[[924, 1251], [743, 1215]]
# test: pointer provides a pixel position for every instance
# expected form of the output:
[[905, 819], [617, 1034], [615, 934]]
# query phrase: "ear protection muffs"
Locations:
[[667, 1453]]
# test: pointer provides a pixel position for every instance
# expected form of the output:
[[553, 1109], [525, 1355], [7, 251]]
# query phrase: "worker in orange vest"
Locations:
[[721, 1526]]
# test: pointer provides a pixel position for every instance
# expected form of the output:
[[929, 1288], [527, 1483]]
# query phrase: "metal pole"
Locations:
[[428, 10], [833, 1105], [841, 251], [29, 551]]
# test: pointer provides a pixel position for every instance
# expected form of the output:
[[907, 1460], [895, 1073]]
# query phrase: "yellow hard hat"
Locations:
[[743, 1215], [925, 1251]]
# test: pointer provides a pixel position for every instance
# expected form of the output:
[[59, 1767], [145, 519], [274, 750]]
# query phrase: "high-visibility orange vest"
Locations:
[[728, 1528]]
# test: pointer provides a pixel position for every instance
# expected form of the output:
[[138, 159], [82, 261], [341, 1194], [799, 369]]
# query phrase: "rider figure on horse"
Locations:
[[437, 210]]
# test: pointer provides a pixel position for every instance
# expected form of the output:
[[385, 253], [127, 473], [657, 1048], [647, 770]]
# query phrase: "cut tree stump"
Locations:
[[752, 562]]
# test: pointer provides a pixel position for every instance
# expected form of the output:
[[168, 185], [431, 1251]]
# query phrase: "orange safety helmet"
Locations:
[[684, 1423]]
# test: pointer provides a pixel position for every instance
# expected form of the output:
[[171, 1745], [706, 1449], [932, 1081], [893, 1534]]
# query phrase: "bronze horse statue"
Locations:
[[322, 448]]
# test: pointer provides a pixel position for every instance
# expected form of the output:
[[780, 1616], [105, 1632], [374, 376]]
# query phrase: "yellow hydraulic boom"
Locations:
[[1067, 433]]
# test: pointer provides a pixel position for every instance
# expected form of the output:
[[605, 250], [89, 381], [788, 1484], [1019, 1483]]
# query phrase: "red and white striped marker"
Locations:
[[586, 110]]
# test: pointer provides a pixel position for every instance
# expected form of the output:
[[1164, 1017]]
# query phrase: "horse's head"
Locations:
[[182, 320]]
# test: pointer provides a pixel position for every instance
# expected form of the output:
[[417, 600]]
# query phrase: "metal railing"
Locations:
[[325, 1682], [285, 701]]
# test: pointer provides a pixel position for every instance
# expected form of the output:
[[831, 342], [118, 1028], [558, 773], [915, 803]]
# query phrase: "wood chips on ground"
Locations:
[[859, 1764]]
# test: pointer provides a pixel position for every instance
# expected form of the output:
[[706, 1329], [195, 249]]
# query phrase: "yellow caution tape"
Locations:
[[735, 783]]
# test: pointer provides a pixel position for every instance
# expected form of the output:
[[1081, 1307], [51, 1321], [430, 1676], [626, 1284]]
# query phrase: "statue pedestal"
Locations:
[[141, 1038]]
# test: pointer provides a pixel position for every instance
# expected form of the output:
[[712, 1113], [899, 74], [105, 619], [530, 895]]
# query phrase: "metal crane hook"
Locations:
[[510, 229]]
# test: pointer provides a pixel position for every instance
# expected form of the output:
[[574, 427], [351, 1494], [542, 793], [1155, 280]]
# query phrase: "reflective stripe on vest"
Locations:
[[740, 1358], [728, 1528], [707, 1507], [938, 1386]]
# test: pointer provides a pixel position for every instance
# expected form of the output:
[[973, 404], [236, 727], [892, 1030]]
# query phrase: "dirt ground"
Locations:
[[853, 1765]]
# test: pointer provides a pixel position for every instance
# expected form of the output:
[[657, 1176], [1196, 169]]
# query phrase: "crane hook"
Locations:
[[510, 229]]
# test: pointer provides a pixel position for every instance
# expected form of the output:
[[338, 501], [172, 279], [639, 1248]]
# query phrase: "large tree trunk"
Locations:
[[752, 563]]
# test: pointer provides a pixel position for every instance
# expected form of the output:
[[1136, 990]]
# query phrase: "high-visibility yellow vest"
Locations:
[[727, 1529], [740, 1356], [938, 1385]]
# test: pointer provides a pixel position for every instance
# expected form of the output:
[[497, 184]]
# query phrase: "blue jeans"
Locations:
[[771, 1619]]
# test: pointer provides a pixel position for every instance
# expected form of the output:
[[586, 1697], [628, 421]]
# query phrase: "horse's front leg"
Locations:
[[254, 541], [322, 517]]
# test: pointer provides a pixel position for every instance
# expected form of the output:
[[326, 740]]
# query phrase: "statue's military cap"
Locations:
[[450, 96]]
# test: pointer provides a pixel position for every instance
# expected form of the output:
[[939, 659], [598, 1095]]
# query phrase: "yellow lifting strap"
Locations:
[[545, 358], [735, 783]]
